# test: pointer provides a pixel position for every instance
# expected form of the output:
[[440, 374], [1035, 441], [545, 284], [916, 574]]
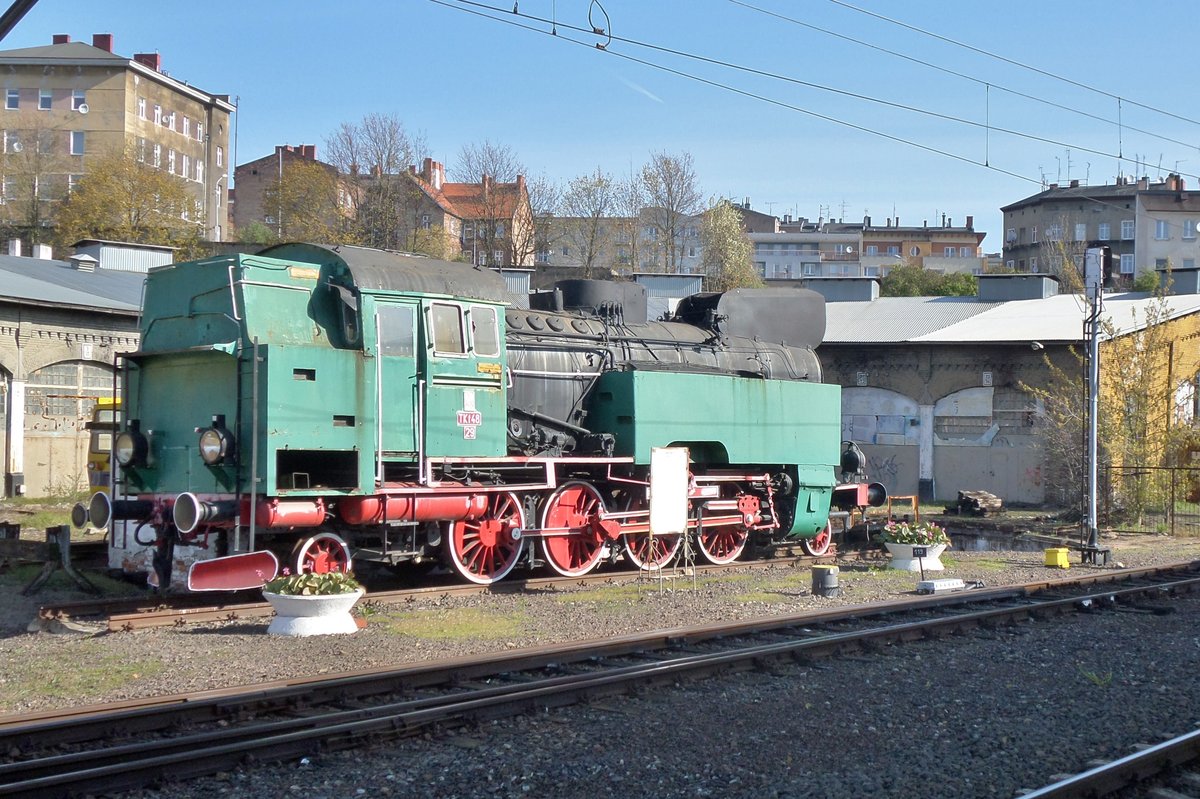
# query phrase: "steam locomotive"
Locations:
[[316, 406]]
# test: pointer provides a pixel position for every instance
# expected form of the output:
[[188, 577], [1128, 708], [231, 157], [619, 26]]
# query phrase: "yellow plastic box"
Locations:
[[1057, 558]]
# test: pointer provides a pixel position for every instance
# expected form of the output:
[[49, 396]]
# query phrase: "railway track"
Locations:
[[1158, 771], [109, 748]]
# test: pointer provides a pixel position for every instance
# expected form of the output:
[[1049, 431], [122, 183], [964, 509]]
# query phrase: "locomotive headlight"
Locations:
[[216, 442], [130, 447]]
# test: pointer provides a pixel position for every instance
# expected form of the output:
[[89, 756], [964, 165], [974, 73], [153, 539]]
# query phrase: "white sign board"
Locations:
[[668, 490]]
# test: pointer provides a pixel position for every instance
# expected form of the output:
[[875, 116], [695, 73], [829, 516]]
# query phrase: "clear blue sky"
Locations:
[[300, 69]]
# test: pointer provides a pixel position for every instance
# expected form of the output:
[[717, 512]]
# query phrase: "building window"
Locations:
[[1054, 232], [187, 167], [141, 107], [199, 131], [811, 270], [45, 98], [187, 127], [1127, 230], [73, 183], [914, 251], [871, 271], [1010, 265], [425, 222], [1126, 264], [1103, 232], [1081, 231], [200, 175], [1033, 264], [77, 142], [1189, 229], [893, 249], [12, 141], [1011, 235], [171, 161], [220, 155], [948, 252], [872, 249], [68, 390], [12, 100], [78, 99], [1033, 235], [1161, 230], [965, 252], [158, 115], [158, 155]]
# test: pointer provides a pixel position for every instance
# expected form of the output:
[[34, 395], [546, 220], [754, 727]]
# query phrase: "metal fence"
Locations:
[[1150, 499]]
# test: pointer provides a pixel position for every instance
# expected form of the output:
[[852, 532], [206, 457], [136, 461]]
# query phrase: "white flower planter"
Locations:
[[902, 557], [325, 614]]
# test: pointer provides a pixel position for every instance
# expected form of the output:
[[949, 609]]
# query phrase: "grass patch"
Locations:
[[452, 624], [37, 513], [89, 671], [624, 594]]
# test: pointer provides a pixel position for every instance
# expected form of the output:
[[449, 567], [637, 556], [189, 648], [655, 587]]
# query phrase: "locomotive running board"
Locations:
[[233, 572]]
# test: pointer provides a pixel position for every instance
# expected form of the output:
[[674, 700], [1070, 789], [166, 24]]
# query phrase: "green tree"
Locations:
[[124, 199], [305, 203], [913, 280], [728, 252]]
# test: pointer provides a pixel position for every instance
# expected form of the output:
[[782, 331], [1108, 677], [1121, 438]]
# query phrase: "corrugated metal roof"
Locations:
[[959, 320], [59, 283]]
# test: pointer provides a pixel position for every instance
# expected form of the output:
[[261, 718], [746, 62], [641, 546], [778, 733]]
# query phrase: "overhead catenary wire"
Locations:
[[505, 15], [946, 70], [1013, 62]]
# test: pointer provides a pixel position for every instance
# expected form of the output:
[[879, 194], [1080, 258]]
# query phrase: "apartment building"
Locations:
[[1144, 224], [254, 178], [69, 102]]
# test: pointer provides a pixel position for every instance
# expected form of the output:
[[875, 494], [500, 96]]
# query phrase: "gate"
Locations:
[[1162, 500]]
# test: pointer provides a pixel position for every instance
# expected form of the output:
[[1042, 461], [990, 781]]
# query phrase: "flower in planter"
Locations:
[[312, 584], [921, 534]]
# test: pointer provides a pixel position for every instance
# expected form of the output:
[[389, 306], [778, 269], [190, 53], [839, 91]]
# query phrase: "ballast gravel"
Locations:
[[985, 714]]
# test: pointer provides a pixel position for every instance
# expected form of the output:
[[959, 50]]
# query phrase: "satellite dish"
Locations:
[[83, 108], [16, 146]]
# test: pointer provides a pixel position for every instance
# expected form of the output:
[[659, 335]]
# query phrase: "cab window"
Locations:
[[447, 324], [484, 333], [396, 330]]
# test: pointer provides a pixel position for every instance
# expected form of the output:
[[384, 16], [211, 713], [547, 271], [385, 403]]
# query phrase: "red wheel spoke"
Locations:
[[485, 550], [572, 508]]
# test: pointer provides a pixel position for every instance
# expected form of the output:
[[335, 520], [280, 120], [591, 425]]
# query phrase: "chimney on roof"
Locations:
[[14, 247], [103, 41], [1174, 182], [152, 60], [309, 151], [377, 171], [433, 173], [866, 221], [1143, 183], [520, 184], [1074, 183], [61, 38], [970, 222], [487, 186], [42, 252]]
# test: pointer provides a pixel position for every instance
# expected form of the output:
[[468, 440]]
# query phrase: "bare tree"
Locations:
[[544, 197], [502, 226], [673, 198], [375, 154], [629, 202], [588, 205]]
